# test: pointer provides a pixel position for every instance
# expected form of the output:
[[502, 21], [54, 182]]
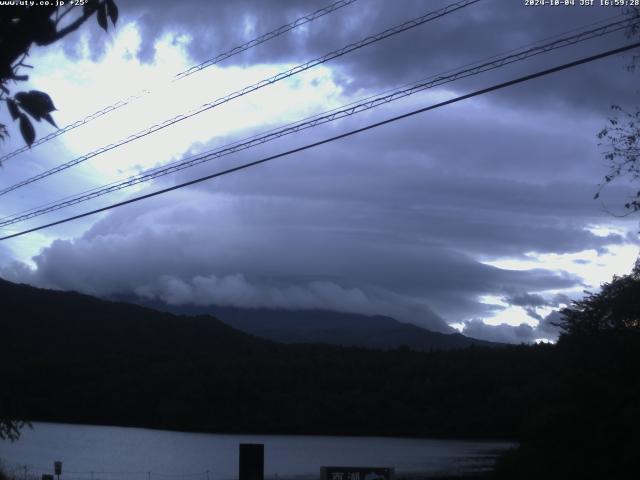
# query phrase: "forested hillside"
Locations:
[[573, 406], [70, 357]]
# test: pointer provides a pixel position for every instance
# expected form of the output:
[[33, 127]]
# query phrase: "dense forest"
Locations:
[[574, 406]]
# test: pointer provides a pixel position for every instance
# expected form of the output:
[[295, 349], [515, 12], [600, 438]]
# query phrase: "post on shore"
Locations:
[[251, 461]]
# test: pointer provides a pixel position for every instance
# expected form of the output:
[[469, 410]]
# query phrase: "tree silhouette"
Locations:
[[21, 27], [586, 418], [615, 308], [621, 137]]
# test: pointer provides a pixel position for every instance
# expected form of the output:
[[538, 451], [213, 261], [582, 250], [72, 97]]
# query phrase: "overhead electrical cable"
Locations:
[[251, 88], [316, 120], [186, 73], [244, 166]]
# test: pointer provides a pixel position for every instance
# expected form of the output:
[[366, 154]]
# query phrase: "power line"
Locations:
[[334, 138], [251, 88], [125, 183], [186, 73], [316, 120]]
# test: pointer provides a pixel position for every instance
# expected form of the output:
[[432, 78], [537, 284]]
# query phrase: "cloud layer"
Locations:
[[404, 220]]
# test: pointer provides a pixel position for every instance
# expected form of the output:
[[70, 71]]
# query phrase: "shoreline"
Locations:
[[310, 433]]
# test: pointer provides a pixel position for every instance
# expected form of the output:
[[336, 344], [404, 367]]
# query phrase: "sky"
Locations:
[[476, 217]]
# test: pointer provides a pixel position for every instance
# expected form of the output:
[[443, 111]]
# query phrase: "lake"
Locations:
[[117, 453]]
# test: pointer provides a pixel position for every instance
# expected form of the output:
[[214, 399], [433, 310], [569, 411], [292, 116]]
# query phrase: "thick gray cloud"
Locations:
[[534, 300], [5, 255], [237, 290], [522, 333], [525, 299], [269, 251]]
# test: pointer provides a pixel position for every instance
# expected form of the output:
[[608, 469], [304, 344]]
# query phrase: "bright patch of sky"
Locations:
[[592, 266], [510, 314], [119, 74]]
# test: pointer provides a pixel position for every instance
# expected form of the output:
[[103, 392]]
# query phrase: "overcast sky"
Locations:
[[478, 216]]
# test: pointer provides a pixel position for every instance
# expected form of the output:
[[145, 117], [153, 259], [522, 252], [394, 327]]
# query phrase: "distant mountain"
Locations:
[[75, 358], [48, 322], [322, 326]]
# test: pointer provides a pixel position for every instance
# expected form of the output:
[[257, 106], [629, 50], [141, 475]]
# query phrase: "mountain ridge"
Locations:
[[324, 326]]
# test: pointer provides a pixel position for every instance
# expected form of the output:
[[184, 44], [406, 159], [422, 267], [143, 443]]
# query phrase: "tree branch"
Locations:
[[72, 27], [59, 19]]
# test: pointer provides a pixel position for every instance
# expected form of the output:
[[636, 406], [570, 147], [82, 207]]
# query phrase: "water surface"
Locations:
[[117, 453]]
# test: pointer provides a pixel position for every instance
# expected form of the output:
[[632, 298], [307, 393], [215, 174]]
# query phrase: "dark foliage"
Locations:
[[616, 307], [589, 426], [21, 27], [621, 137]]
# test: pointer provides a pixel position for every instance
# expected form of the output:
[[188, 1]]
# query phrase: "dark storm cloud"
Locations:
[[524, 299], [474, 35], [409, 182]]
